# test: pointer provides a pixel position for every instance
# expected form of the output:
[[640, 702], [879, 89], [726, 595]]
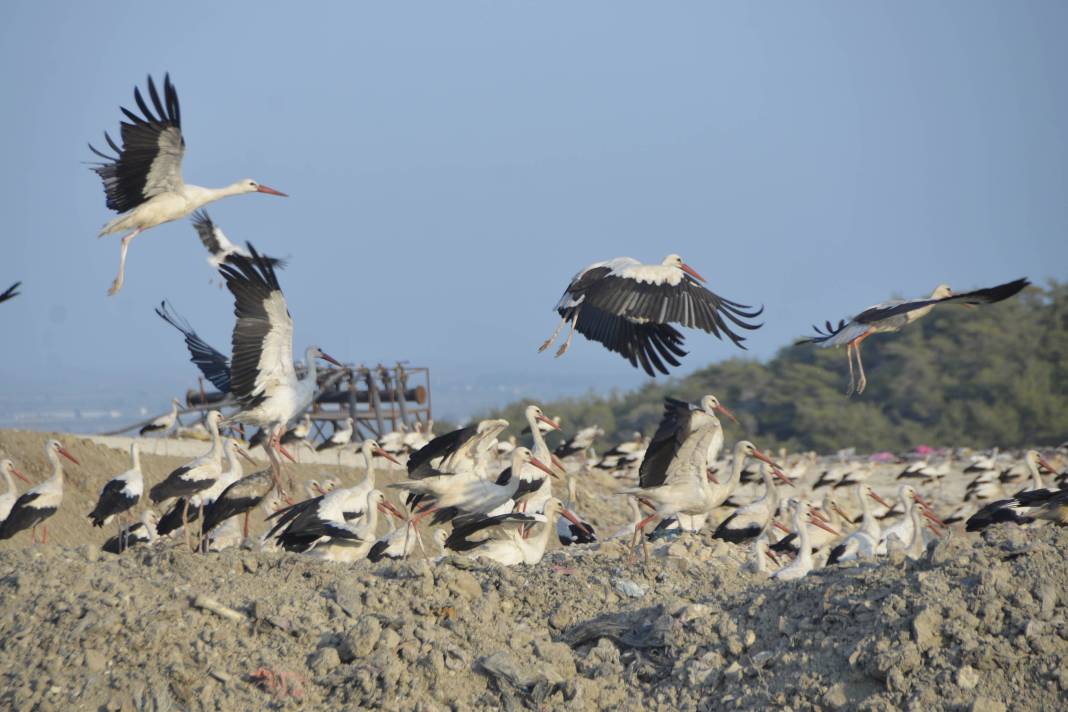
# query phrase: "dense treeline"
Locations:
[[989, 376]]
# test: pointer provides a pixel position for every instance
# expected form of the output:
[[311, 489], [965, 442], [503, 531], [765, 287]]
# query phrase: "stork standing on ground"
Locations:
[[629, 307], [195, 476], [39, 503], [1026, 505], [7, 499], [352, 541], [894, 315], [862, 543], [340, 438], [165, 422], [240, 497], [263, 379], [121, 493], [143, 181]]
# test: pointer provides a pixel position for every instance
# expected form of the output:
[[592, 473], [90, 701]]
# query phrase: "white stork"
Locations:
[[10, 292], [505, 538], [341, 437], [803, 564], [750, 521], [41, 502], [7, 499], [165, 422], [121, 492], [862, 543], [352, 541], [300, 525], [137, 534], [143, 181], [1027, 505], [630, 307], [212, 363], [263, 379], [569, 533], [896, 314], [218, 244]]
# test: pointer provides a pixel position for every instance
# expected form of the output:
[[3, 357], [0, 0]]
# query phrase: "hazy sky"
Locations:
[[451, 165]]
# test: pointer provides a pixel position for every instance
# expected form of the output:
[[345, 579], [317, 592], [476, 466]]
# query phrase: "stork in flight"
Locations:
[[218, 244], [262, 378], [630, 307], [10, 292], [896, 314], [143, 181]]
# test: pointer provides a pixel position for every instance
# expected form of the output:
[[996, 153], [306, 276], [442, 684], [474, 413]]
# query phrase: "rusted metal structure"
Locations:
[[379, 400]]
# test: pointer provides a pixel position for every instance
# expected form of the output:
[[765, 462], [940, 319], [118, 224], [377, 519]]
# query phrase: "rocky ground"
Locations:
[[980, 623]]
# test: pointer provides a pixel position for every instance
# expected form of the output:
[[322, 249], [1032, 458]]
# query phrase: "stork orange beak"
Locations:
[[242, 453], [710, 475], [330, 359], [722, 409], [822, 525], [875, 495], [692, 272], [559, 463], [764, 458], [932, 517], [270, 191], [15, 471], [543, 467], [781, 527], [1049, 467], [286, 453], [566, 514], [548, 421], [782, 476], [387, 506], [66, 453], [382, 453]]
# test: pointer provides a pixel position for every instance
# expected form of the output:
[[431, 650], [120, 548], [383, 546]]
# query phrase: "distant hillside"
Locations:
[[995, 375]]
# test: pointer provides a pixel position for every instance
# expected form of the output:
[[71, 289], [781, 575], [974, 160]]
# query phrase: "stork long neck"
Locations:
[[371, 522], [10, 482], [541, 450], [736, 468], [199, 196], [369, 458], [537, 542], [1036, 476], [135, 456], [57, 468], [867, 521], [804, 551], [771, 492]]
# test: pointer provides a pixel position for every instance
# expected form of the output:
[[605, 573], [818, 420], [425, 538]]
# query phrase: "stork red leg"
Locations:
[[570, 335]]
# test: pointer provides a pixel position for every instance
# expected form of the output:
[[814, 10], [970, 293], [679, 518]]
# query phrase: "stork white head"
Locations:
[[54, 449], [250, 186], [941, 292], [534, 413], [314, 352], [675, 261], [9, 469], [710, 404]]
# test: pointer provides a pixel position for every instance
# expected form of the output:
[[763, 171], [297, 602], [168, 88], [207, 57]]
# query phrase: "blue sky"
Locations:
[[451, 165]]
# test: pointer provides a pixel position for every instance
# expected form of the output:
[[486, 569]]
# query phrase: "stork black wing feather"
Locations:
[[989, 295], [10, 292], [212, 363], [419, 462]]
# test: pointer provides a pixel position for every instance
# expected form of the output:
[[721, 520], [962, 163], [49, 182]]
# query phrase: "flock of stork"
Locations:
[[485, 496]]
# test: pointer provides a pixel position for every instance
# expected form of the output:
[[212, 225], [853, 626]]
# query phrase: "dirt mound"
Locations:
[[980, 623]]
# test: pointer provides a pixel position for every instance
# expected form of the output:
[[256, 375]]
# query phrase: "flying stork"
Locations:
[[894, 315], [143, 181], [41, 502], [218, 244], [10, 292], [630, 307]]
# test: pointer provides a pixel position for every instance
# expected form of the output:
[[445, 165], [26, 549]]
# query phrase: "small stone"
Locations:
[[1048, 596], [835, 697], [986, 704], [628, 588], [750, 638], [925, 629], [250, 564], [324, 660], [89, 552], [95, 660], [464, 584], [733, 671], [360, 640], [560, 618], [967, 677]]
